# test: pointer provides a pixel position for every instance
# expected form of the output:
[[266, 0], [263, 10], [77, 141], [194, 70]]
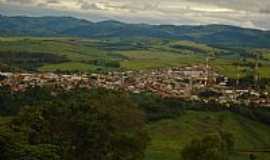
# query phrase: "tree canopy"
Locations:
[[102, 125]]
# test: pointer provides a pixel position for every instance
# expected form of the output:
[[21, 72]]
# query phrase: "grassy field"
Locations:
[[227, 68], [131, 54], [74, 49], [170, 136], [156, 59]]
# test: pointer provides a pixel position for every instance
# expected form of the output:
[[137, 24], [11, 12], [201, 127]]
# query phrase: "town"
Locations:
[[193, 83]]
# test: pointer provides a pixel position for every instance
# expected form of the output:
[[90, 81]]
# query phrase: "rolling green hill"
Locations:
[[68, 26], [90, 55], [171, 135], [81, 55]]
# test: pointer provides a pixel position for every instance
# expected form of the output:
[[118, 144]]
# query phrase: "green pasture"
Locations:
[[132, 54]]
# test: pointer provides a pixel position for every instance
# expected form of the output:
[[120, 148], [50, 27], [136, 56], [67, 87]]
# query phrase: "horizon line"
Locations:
[[129, 23]]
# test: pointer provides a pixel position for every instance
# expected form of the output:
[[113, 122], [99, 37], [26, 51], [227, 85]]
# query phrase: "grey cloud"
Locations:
[[243, 5], [86, 5], [47, 3], [265, 10], [33, 2], [52, 1], [125, 5], [245, 13], [20, 1]]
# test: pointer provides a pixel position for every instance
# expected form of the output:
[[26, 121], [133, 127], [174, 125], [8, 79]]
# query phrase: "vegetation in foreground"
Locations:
[[84, 127], [170, 136], [101, 124]]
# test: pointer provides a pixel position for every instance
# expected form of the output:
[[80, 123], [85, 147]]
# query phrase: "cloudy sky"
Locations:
[[244, 13]]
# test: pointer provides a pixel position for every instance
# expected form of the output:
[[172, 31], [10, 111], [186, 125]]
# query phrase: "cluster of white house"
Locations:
[[179, 82]]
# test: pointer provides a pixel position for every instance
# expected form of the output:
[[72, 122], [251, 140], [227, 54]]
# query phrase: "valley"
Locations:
[[108, 90]]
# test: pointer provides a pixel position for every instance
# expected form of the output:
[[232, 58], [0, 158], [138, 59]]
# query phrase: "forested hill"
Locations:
[[69, 26]]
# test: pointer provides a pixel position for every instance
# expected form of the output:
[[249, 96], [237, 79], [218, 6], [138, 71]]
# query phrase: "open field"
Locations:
[[90, 55], [156, 59], [226, 67], [267, 55], [170, 136]]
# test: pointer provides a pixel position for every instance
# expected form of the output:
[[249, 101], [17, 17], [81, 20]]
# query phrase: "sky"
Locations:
[[243, 13]]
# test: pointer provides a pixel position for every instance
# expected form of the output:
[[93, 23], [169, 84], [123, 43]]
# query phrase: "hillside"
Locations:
[[92, 55], [171, 135], [68, 26]]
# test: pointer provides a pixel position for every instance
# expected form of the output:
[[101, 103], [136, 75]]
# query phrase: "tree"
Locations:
[[211, 147], [11, 150], [103, 125]]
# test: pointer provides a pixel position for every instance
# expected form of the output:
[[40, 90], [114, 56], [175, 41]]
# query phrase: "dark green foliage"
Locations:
[[7, 68], [262, 114], [64, 125], [82, 125], [124, 45], [107, 63], [11, 103], [8, 101], [29, 60], [185, 47], [14, 147], [252, 157], [211, 147], [207, 93], [157, 108]]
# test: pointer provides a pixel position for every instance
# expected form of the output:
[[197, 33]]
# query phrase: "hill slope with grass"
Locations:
[[91, 55], [171, 135]]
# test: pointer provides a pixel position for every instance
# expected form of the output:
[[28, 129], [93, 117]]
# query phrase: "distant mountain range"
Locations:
[[68, 26]]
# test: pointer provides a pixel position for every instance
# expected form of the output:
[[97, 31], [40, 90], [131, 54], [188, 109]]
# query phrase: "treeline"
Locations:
[[105, 63], [29, 60], [190, 48], [157, 108], [154, 107], [122, 46], [249, 81]]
